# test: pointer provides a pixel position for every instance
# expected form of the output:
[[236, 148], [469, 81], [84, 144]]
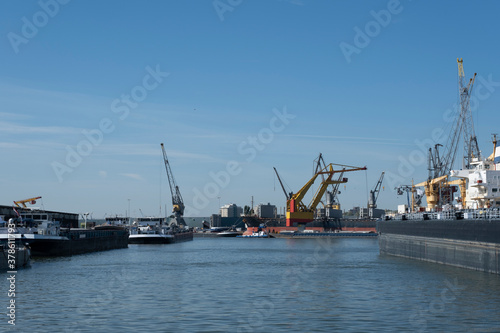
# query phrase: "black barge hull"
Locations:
[[79, 242], [178, 237], [472, 244]]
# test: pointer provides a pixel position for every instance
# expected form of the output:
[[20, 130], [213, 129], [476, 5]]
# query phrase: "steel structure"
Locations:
[[25, 201], [177, 201], [438, 190], [372, 200], [297, 211]]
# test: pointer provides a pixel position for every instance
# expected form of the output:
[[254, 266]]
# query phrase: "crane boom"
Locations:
[[372, 203], [438, 190], [177, 201], [281, 183], [25, 201], [463, 126], [471, 148]]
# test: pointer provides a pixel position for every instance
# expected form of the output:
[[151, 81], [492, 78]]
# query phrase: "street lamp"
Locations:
[[128, 217]]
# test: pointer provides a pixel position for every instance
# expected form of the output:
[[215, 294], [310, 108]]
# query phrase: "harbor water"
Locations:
[[250, 285]]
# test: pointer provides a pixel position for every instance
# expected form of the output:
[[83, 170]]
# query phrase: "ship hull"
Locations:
[[472, 244], [12, 261], [160, 238], [335, 224], [309, 235], [78, 242]]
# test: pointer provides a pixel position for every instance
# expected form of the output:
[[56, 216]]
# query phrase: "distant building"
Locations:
[[231, 210], [265, 211], [215, 220], [328, 213]]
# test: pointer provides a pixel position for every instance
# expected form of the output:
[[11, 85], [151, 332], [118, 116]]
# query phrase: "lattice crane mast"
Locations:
[[177, 202], [471, 147]]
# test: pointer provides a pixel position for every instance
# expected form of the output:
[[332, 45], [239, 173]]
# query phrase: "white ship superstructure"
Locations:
[[483, 181]]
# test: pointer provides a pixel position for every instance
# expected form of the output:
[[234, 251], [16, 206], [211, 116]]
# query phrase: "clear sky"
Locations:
[[89, 90]]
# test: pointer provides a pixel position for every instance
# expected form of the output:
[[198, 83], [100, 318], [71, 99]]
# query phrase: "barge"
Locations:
[[467, 238], [46, 237]]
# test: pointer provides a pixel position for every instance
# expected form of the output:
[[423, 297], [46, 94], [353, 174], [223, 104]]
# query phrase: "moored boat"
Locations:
[[466, 234], [45, 236], [154, 230]]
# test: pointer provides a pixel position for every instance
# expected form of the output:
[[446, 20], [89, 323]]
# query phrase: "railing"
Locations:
[[464, 214]]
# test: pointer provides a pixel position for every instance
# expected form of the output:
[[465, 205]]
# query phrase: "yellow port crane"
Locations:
[[25, 201], [432, 190], [297, 211]]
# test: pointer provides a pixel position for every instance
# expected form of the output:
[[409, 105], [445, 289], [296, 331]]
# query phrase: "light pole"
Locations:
[[128, 217]]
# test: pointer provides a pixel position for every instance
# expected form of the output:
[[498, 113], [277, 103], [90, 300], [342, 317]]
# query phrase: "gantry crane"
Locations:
[[297, 211], [177, 202], [25, 201], [372, 199]]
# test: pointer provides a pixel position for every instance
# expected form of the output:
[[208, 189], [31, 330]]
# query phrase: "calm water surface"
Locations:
[[251, 285]]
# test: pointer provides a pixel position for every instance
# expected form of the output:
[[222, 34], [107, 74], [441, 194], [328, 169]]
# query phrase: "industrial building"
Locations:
[[264, 211], [231, 210]]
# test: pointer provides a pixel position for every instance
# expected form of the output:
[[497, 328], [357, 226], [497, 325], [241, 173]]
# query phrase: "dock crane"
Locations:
[[332, 200], [297, 211], [177, 202], [438, 189], [25, 201], [416, 196], [372, 199]]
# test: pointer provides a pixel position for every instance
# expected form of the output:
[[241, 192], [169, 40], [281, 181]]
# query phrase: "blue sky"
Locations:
[[233, 89]]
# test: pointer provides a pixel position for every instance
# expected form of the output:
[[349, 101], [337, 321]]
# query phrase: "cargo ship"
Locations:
[[466, 234], [46, 237], [465, 238], [461, 224]]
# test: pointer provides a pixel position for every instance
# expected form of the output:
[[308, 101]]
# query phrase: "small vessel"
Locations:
[[155, 230], [150, 230], [260, 233], [229, 233]]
